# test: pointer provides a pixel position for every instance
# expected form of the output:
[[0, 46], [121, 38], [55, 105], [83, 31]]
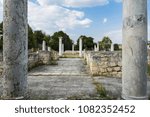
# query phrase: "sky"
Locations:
[[95, 18]]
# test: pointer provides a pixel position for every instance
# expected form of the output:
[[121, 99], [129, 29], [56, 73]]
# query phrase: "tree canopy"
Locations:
[[105, 44], [35, 39], [54, 42], [87, 42]]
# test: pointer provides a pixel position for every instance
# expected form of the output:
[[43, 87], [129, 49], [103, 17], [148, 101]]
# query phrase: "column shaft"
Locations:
[[60, 46], [80, 47], [134, 81], [44, 46], [15, 49]]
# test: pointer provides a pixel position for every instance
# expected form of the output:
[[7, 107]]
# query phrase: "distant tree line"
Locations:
[[35, 39]]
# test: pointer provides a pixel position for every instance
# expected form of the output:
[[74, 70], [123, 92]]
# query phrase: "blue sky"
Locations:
[[95, 18]]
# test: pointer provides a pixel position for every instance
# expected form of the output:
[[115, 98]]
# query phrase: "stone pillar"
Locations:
[[112, 47], [134, 79], [73, 47], [1, 36], [97, 46], [80, 47], [49, 49], [44, 46], [60, 46], [15, 31]]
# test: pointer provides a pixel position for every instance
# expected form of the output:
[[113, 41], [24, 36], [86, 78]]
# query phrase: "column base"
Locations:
[[124, 97]]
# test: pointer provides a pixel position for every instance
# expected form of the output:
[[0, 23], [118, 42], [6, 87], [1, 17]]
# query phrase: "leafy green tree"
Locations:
[[105, 44], [87, 42], [31, 41], [38, 37], [54, 41]]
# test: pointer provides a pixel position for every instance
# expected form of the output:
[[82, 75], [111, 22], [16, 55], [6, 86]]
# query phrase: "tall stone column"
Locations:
[[80, 47], [97, 46], [112, 47], [15, 49], [60, 46], [44, 46], [134, 79], [63, 48], [73, 47], [49, 49]]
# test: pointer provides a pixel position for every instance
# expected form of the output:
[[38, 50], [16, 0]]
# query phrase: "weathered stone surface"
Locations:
[[117, 69], [80, 47], [134, 63], [15, 55], [104, 63], [60, 46]]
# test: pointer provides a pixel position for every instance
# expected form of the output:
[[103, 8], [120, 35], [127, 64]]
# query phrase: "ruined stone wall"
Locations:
[[36, 59], [148, 58], [104, 63]]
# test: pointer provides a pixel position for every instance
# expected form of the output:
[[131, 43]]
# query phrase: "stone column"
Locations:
[[1, 36], [80, 47], [44, 46], [112, 47], [49, 49], [134, 79], [15, 31], [73, 47], [97, 46], [60, 46]]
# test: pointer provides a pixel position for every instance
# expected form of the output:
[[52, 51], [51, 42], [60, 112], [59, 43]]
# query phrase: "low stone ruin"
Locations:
[[104, 63]]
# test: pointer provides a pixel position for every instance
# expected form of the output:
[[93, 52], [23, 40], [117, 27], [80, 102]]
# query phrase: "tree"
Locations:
[[54, 42], [31, 41], [87, 42], [38, 37], [105, 44]]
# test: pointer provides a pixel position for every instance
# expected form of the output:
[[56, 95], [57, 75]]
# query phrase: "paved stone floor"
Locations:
[[70, 78], [67, 79]]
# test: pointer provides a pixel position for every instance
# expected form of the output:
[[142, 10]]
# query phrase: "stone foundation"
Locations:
[[36, 59], [104, 63]]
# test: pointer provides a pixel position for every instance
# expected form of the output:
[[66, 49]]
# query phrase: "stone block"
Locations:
[[117, 69], [112, 64], [109, 69]]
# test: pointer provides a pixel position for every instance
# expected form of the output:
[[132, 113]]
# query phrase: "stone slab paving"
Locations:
[[68, 79], [114, 85], [66, 66]]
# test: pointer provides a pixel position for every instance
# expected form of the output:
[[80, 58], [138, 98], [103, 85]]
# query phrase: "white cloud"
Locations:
[[74, 3], [105, 20], [115, 36], [85, 3], [51, 18]]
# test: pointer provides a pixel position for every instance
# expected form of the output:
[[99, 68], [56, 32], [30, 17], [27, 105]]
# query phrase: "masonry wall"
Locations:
[[36, 59], [104, 63]]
